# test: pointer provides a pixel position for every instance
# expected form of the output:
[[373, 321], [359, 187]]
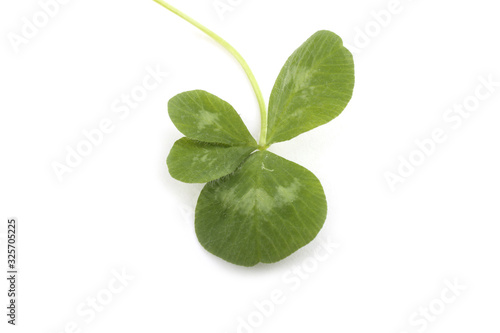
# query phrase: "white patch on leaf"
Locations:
[[287, 195], [258, 199], [206, 119], [264, 168]]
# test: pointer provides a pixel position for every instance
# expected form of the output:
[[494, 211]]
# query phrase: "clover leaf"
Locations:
[[202, 116], [258, 207], [193, 161], [313, 87], [264, 211]]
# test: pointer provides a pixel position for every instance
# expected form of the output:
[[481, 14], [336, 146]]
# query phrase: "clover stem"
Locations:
[[243, 63]]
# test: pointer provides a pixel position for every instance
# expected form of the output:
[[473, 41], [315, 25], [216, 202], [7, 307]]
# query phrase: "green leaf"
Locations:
[[263, 212], [202, 116], [313, 87], [193, 161]]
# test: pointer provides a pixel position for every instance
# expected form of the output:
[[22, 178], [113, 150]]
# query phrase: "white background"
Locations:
[[120, 209]]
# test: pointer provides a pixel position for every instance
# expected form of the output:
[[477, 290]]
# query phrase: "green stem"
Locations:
[[243, 63]]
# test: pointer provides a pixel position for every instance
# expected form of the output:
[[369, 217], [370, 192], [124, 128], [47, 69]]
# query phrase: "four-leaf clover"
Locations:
[[257, 206]]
